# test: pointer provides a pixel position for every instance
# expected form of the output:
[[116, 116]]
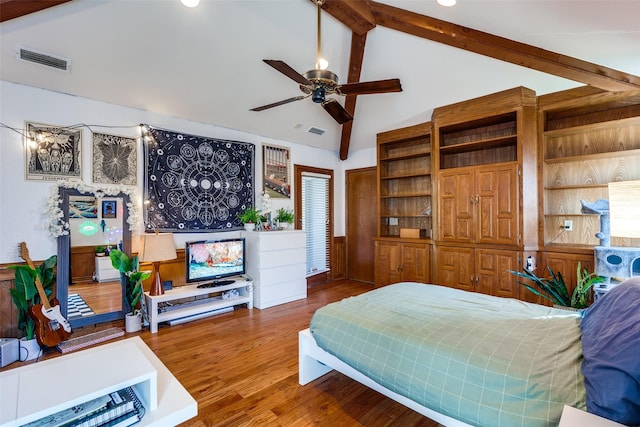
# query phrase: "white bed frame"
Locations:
[[314, 362]]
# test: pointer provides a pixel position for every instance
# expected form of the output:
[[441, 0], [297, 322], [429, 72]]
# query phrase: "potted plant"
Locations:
[[250, 217], [100, 250], [25, 294], [555, 289], [131, 279], [284, 216]]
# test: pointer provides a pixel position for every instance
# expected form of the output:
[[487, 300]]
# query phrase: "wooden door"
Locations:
[[456, 268], [497, 204], [492, 272], [387, 264], [456, 209], [361, 222], [414, 264]]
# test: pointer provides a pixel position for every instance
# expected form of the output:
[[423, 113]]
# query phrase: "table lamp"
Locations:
[[155, 248]]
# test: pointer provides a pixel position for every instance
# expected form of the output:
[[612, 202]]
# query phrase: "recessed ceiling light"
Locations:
[[447, 3], [190, 3]]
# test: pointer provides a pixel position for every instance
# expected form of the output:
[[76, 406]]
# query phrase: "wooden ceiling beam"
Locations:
[[503, 49], [358, 42], [355, 14], [10, 9]]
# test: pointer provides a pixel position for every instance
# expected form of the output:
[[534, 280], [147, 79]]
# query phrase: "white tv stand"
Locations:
[[204, 302]]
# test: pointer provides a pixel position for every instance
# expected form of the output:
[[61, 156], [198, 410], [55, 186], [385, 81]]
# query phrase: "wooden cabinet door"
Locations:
[[387, 263], [456, 268], [567, 264], [492, 272], [497, 205], [414, 266], [456, 209]]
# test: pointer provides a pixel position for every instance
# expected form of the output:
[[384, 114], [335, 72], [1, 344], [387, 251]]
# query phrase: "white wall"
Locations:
[[22, 202]]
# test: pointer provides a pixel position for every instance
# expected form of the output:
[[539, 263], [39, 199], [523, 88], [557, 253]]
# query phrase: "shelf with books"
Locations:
[[35, 391]]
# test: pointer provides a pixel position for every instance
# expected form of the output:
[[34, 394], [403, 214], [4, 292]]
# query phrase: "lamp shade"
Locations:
[[624, 207], [156, 247]]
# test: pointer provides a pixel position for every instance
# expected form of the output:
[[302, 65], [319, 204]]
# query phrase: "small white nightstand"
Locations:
[[104, 269]]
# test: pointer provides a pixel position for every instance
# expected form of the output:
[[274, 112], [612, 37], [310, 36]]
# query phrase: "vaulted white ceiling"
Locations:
[[205, 64]]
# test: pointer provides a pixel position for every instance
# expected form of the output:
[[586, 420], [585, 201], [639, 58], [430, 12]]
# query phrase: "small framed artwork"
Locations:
[[109, 208], [52, 152], [276, 168], [83, 207], [115, 159]]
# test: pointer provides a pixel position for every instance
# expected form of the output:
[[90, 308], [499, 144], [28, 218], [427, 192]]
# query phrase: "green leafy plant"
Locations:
[[250, 215], [25, 294], [130, 277], [284, 215], [555, 289], [100, 249]]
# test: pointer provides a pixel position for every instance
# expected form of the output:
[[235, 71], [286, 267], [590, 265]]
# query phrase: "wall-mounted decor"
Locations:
[[115, 159], [194, 183], [109, 208], [276, 167], [52, 152], [83, 207]]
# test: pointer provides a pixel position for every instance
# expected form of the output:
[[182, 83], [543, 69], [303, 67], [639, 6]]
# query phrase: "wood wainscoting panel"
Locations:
[[8, 312], [339, 258]]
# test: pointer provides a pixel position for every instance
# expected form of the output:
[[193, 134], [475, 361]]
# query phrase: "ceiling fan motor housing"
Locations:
[[324, 80]]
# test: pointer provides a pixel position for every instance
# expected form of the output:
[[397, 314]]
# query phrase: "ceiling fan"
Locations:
[[320, 82]]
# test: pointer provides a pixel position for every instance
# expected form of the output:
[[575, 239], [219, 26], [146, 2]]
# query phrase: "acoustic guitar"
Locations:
[[51, 326]]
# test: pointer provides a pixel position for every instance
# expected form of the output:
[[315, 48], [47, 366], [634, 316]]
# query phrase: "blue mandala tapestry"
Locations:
[[193, 183]]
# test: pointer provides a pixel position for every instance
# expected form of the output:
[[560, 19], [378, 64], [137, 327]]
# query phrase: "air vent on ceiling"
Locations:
[[43, 58], [316, 130]]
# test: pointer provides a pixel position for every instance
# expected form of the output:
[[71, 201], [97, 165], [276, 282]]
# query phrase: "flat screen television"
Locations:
[[212, 260]]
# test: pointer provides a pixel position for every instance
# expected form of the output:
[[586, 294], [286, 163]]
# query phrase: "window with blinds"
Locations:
[[315, 221]]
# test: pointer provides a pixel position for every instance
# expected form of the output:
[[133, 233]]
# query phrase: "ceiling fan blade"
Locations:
[[287, 71], [337, 111], [364, 88], [275, 104]]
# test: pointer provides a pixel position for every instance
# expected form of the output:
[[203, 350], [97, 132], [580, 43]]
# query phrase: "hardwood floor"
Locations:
[[242, 368], [103, 297]]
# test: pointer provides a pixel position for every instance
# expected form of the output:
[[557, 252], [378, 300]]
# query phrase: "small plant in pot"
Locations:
[[284, 216], [555, 289], [100, 250], [25, 294], [250, 215], [131, 279]]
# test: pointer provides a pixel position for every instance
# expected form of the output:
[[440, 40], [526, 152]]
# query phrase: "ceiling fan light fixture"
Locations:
[[322, 64], [318, 95], [446, 3]]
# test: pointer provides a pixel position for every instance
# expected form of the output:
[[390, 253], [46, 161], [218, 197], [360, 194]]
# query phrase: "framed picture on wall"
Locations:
[[276, 169], [115, 159], [52, 152], [109, 208], [83, 207]]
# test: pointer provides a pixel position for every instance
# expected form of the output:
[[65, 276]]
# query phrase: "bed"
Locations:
[[457, 357]]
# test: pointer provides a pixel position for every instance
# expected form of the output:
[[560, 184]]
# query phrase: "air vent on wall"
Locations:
[[316, 130], [42, 58]]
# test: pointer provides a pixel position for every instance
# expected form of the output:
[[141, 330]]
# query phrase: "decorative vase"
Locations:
[[29, 349], [133, 322], [249, 226]]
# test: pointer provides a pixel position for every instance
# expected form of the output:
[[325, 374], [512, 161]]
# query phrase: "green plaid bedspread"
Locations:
[[483, 360]]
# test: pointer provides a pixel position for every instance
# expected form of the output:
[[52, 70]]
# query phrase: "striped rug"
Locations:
[[77, 307]]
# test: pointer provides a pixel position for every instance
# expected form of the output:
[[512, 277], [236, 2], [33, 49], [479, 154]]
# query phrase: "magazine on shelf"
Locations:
[[118, 409]]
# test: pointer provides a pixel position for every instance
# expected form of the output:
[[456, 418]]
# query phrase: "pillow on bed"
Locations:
[[611, 345]]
